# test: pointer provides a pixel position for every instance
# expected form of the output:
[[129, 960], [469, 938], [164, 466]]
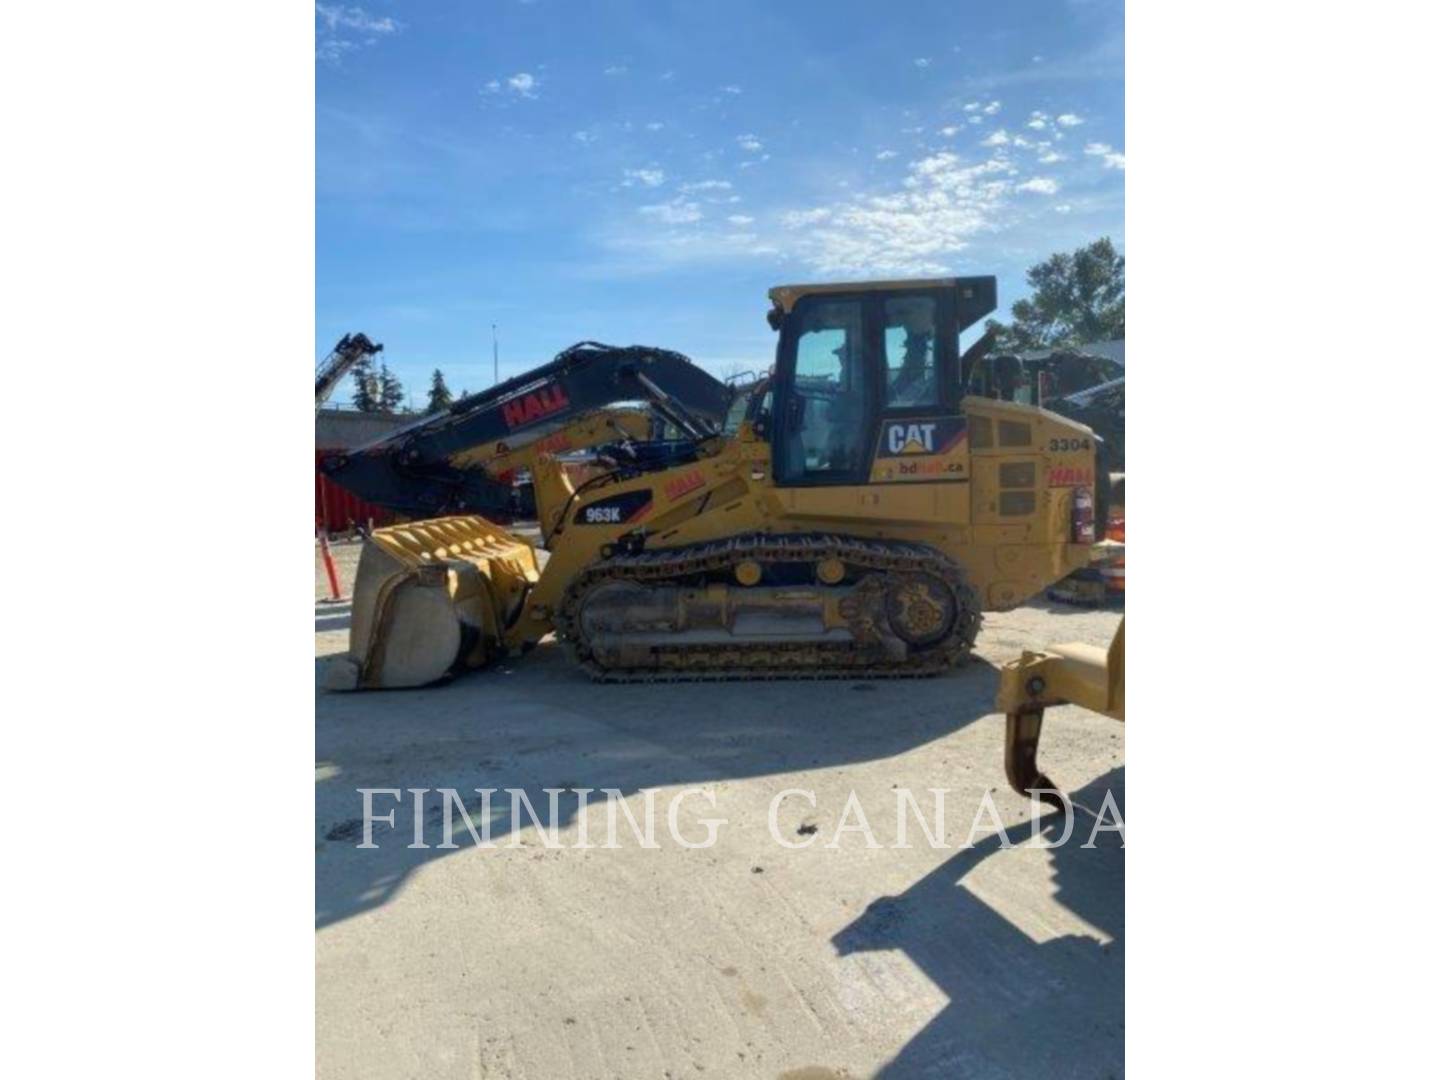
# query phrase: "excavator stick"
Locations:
[[1077, 674], [431, 599]]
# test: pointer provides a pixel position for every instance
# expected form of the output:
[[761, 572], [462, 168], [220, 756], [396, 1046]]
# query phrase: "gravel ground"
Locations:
[[743, 959]]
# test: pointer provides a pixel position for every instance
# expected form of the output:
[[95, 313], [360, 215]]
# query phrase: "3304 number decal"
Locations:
[[1063, 445]]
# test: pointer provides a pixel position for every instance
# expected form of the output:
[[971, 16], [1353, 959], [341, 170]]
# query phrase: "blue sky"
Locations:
[[641, 171]]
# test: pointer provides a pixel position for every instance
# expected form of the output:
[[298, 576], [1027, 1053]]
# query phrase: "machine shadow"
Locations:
[[1017, 1007], [543, 724]]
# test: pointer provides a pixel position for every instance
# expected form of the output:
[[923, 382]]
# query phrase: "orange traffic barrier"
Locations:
[[329, 566]]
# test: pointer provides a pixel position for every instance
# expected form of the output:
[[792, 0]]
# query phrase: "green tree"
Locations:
[[440, 396], [1077, 298], [392, 394], [366, 397]]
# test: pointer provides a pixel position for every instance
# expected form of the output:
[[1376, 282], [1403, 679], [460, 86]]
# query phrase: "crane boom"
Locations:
[[348, 351]]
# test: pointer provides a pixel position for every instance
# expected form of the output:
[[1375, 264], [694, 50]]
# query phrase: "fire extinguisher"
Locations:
[[1082, 517]]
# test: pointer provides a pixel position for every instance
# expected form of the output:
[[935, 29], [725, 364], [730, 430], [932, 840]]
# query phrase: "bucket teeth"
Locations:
[[432, 598]]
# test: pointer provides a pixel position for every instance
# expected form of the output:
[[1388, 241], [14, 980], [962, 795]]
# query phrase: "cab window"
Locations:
[[911, 378], [825, 427]]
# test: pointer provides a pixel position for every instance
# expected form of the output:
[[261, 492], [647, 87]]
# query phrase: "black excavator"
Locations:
[[636, 403]]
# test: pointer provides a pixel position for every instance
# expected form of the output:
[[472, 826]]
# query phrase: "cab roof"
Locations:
[[785, 296]]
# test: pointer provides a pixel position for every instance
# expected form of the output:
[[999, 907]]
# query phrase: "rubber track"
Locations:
[[803, 660]]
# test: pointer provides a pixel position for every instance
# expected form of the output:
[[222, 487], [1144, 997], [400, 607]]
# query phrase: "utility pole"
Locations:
[[495, 344]]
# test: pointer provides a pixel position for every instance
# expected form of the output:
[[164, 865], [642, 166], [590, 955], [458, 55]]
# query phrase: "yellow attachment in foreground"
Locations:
[[1078, 674], [432, 598], [1084, 675]]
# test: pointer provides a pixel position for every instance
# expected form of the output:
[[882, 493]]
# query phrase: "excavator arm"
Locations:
[[455, 461]]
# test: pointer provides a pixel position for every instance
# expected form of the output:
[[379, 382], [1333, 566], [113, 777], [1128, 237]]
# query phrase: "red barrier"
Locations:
[[336, 510]]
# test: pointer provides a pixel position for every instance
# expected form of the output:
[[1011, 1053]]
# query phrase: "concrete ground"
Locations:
[[744, 959]]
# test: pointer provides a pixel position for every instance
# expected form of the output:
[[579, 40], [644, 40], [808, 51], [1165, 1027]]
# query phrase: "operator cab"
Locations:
[[852, 356]]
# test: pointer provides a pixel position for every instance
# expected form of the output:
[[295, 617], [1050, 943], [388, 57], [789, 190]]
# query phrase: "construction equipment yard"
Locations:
[[744, 958]]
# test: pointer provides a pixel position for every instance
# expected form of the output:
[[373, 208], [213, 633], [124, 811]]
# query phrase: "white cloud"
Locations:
[[1040, 185], [332, 49], [991, 109], [972, 106], [1068, 120], [798, 218], [1050, 157], [922, 61], [740, 219], [617, 69], [345, 29], [1113, 160], [585, 138], [645, 177], [337, 17], [885, 155], [523, 83], [731, 89], [1038, 121], [950, 132], [977, 119], [1063, 208], [750, 143], [654, 125], [917, 229], [675, 212], [707, 185], [996, 138]]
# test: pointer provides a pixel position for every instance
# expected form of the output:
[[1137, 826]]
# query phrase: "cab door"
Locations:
[[826, 392]]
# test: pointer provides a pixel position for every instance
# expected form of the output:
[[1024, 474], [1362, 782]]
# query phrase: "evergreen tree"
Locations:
[[440, 396], [392, 394], [366, 396]]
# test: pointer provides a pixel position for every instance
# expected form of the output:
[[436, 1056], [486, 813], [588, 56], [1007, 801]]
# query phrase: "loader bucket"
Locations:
[[431, 599]]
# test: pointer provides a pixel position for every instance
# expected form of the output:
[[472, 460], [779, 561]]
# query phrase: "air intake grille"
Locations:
[[1017, 474], [1013, 433], [1017, 503]]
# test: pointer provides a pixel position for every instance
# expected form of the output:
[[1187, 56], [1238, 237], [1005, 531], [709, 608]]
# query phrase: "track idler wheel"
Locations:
[[920, 608]]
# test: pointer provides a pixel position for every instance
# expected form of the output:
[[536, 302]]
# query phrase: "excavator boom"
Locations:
[[451, 462]]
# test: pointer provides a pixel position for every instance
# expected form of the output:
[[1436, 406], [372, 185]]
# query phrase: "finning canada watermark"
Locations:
[[445, 819]]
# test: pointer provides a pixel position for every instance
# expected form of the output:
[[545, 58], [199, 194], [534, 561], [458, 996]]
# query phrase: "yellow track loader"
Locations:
[[856, 525]]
